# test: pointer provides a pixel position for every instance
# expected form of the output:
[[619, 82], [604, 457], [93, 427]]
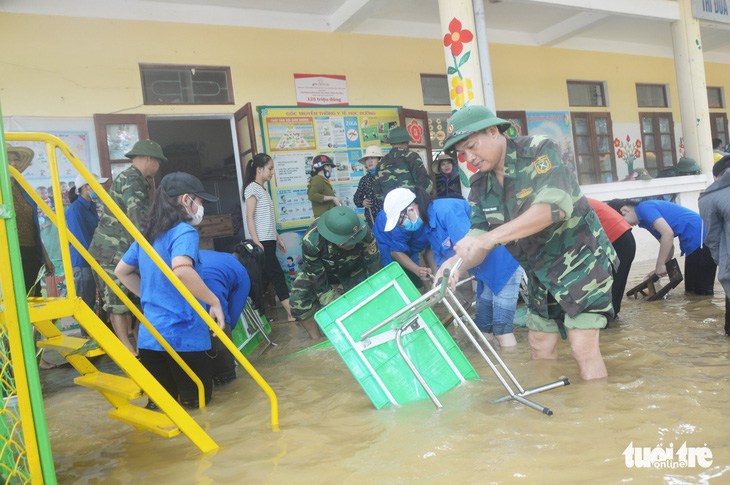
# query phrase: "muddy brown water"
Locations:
[[668, 365]]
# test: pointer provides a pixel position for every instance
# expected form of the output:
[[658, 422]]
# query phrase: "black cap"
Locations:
[[179, 183], [721, 165]]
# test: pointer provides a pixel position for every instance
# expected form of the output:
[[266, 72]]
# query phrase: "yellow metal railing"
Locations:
[[52, 143]]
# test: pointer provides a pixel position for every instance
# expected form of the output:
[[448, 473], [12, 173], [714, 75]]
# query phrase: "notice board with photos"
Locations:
[[294, 135]]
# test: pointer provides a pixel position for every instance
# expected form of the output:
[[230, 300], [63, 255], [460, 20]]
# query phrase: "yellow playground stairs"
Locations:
[[20, 312]]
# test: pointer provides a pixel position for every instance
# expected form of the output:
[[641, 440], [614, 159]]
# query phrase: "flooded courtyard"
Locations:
[[668, 366]]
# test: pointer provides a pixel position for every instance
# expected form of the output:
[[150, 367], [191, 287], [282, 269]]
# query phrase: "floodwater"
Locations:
[[668, 365]]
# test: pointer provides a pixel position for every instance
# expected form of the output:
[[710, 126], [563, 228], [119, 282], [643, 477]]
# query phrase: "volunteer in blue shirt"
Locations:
[[665, 221], [446, 222], [226, 277], [81, 220], [177, 207], [404, 244]]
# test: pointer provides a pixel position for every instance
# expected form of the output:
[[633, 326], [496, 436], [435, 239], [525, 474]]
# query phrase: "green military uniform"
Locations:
[[400, 168], [325, 263], [131, 192], [569, 262]]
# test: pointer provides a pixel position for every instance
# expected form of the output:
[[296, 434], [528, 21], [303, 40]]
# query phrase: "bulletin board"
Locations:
[[293, 135]]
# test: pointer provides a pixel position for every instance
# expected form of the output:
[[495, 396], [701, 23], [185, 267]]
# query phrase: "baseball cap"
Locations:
[[80, 181], [395, 202], [178, 183]]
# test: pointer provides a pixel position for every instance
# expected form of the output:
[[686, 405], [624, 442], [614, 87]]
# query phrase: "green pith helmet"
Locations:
[[687, 166], [469, 120], [340, 225], [399, 135], [642, 174], [146, 148]]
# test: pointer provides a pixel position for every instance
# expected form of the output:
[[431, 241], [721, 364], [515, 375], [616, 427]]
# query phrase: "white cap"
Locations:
[[80, 182], [372, 151], [395, 202]]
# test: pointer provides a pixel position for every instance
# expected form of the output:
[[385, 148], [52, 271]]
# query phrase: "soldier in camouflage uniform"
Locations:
[[526, 198], [131, 192], [337, 248], [400, 167]]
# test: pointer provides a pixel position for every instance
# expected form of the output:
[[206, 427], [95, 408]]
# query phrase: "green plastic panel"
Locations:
[[246, 336], [358, 310]]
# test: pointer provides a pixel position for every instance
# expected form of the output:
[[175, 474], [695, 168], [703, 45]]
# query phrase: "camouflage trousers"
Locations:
[[595, 316], [304, 300], [112, 303]]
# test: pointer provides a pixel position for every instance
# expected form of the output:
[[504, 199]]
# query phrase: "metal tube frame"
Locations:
[[404, 318]]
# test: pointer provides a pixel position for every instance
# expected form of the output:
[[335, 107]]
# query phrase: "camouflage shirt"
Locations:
[[322, 259], [400, 168], [131, 192], [571, 259]]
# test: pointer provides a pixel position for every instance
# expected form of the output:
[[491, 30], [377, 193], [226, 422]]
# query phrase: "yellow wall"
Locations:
[[77, 66], [67, 66]]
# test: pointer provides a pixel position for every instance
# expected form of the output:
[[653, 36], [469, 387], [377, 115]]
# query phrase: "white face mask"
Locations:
[[198, 216]]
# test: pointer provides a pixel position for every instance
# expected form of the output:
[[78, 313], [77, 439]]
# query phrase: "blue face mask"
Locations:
[[326, 173], [411, 226], [372, 171]]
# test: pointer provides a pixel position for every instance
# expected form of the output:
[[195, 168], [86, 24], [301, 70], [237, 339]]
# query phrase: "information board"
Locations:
[[294, 135]]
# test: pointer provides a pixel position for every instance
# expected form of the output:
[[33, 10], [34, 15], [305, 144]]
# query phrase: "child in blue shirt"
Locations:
[[177, 207]]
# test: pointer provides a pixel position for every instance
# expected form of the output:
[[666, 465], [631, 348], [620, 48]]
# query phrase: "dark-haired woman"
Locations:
[[177, 207], [260, 225]]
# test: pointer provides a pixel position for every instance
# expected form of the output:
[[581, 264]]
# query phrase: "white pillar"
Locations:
[[462, 62], [692, 87]]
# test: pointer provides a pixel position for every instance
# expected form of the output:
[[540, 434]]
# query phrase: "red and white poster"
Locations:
[[320, 89]]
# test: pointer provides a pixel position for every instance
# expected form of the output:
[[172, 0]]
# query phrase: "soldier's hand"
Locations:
[[338, 201]]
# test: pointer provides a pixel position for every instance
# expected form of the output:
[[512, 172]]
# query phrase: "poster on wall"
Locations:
[[295, 135], [320, 89], [556, 125]]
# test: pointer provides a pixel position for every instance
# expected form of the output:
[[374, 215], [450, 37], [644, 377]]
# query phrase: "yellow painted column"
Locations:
[[692, 87], [462, 63]]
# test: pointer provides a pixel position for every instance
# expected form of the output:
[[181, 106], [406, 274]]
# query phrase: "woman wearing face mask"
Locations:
[[260, 225], [319, 189], [177, 206], [81, 220], [364, 195], [443, 223]]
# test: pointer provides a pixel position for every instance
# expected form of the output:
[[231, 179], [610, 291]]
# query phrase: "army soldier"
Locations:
[[526, 198], [337, 248], [131, 192], [400, 167]]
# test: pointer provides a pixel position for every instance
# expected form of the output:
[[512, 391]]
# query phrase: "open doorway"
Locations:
[[205, 147]]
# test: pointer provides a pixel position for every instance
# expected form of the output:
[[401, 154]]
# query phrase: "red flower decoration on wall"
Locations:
[[456, 37]]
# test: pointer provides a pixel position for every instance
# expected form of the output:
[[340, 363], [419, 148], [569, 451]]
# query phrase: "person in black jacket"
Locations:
[[446, 172]]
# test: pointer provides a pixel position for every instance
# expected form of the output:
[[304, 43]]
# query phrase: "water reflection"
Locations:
[[668, 365]]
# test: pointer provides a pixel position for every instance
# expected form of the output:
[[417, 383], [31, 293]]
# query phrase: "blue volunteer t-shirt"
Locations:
[[449, 222], [686, 224], [81, 220], [399, 240], [162, 303], [226, 277]]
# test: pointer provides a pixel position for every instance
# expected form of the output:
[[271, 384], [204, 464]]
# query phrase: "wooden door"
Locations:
[[718, 126], [246, 135], [116, 134]]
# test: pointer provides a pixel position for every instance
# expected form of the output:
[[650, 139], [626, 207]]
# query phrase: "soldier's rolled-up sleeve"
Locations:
[[136, 197], [551, 181], [312, 270], [420, 175]]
